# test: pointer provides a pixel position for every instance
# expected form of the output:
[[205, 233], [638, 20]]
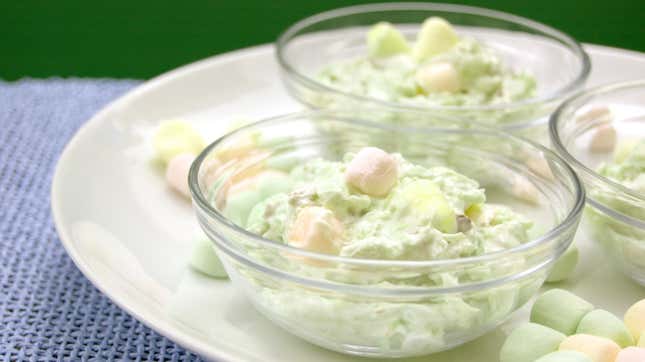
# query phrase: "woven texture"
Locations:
[[48, 310]]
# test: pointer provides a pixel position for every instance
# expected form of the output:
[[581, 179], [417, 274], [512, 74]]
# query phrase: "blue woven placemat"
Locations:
[[48, 310]]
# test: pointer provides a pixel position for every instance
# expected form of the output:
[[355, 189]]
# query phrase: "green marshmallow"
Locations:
[[529, 342], [564, 266], [384, 40], [175, 137], [436, 36], [425, 196], [604, 324], [560, 310], [239, 205], [205, 260], [283, 162], [272, 184], [564, 356]]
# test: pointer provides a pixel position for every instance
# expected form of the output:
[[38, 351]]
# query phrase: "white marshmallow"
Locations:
[[438, 77], [599, 349], [596, 114], [635, 319], [372, 171], [631, 354], [603, 139], [177, 172], [316, 229]]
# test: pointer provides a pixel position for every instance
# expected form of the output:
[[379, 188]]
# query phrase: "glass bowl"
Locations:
[[616, 213], [388, 308], [557, 61]]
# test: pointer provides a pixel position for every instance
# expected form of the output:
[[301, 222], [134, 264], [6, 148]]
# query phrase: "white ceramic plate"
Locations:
[[131, 236]]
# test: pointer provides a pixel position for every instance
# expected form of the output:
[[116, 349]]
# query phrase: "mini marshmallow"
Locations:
[[177, 172], [540, 166], [603, 139], [564, 356], [564, 266], [635, 319], [438, 77], [283, 162], [631, 354], [426, 198], [372, 171], [596, 114], [529, 342], [239, 205], [211, 169], [241, 148], [560, 310], [384, 40], [599, 349], [205, 260], [523, 189], [316, 229], [176, 137], [267, 183], [273, 182], [436, 36], [604, 324]]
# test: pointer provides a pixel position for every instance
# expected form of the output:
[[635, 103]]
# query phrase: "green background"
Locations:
[[140, 39]]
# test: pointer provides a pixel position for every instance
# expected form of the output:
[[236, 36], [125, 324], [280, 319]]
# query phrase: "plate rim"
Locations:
[[189, 343], [160, 326]]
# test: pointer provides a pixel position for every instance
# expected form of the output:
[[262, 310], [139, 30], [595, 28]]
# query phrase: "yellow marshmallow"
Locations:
[[176, 137], [436, 36], [316, 229], [240, 149], [372, 171], [635, 319], [599, 349]]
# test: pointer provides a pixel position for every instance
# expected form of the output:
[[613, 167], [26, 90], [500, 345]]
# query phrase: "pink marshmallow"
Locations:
[[631, 354], [372, 171], [177, 172]]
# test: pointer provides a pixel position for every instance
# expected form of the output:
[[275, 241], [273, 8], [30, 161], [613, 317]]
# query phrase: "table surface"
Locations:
[[141, 39], [48, 310]]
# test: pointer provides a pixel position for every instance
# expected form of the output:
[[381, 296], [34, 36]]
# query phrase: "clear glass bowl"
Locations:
[[615, 214], [558, 62], [388, 308]]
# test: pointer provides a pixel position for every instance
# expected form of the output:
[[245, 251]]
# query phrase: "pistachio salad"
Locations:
[[442, 68], [376, 205]]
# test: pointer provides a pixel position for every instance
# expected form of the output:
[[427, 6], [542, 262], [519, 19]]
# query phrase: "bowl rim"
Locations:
[[201, 202], [574, 46], [574, 104]]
